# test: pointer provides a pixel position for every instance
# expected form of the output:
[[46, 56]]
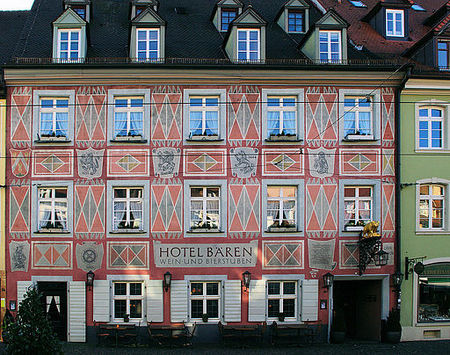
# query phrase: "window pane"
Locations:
[[349, 192], [196, 308], [212, 288], [289, 288], [289, 307], [135, 308], [197, 288], [196, 192], [136, 289], [212, 308], [273, 308], [273, 288], [120, 288], [120, 193], [120, 308]]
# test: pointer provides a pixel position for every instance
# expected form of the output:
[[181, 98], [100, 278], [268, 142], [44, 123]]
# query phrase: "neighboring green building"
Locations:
[[425, 196]]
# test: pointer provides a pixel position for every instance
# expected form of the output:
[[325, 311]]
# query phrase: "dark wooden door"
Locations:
[[54, 302]]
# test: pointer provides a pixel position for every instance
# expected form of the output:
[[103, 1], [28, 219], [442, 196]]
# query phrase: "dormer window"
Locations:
[[395, 24], [296, 21], [443, 54], [248, 45], [147, 44], [226, 16], [80, 7], [80, 10], [139, 6], [330, 46], [69, 44]]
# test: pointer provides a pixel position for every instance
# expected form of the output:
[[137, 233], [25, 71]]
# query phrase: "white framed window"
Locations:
[[128, 117], [431, 206], [227, 15], [128, 299], [443, 54], [358, 206], [248, 45], [282, 300], [296, 21], [330, 46], [147, 44], [204, 117], [205, 300], [127, 208], [53, 118], [205, 208], [68, 46], [281, 207], [358, 117], [52, 209], [431, 128], [281, 116], [395, 26]]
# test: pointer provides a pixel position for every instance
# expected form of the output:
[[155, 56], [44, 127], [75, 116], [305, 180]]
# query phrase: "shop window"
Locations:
[[128, 298], [434, 299], [205, 301], [282, 300]]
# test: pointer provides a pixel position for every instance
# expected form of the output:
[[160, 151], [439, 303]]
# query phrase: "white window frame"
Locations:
[[53, 110], [128, 110], [281, 199], [227, 9], [282, 109], [395, 33], [204, 109], [357, 110], [128, 200], [357, 199], [281, 297], [429, 119], [53, 200], [430, 198], [328, 52], [204, 199], [444, 107], [147, 46], [128, 297], [204, 298], [59, 50], [247, 50]]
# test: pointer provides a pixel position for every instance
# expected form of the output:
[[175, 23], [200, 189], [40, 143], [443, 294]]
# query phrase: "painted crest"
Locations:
[[89, 256], [20, 162], [166, 161], [321, 162], [19, 255], [244, 162], [90, 163]]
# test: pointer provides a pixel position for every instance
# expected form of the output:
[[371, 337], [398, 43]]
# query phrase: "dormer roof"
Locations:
[[148, 17], [331, 20], [249, 17], [69, 17], [230, 3]]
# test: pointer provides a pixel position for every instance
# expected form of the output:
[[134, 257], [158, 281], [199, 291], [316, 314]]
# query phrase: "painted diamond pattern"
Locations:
[[283, 162], [283, 255], [321, 207], [166, 208], [21, 112], [244, 117], [128, 163], [52, 163], [89, 209], [166, 115], [19, 210], [244, 208], [205, 162], [52, 255], [349, 254], [360, 162], [122, 255], [321, 114], [388, 207], [91, 116]]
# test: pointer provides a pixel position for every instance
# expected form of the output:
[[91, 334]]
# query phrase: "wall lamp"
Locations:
[[167, 281], [90, 276], [246, 277], [414, 264], [397, 279], [328, 280]]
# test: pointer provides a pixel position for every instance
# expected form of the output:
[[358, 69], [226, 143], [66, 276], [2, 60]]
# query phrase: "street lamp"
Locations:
[[167, 281], [397, 279], [90, 279], [328, 279], [246, 277], [381, 258]]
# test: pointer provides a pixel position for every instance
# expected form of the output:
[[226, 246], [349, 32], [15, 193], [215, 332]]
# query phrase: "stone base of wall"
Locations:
[[433, 332]]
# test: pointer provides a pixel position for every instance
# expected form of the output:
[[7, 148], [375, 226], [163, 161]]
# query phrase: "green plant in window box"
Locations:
[[282, 136], [205, 317]]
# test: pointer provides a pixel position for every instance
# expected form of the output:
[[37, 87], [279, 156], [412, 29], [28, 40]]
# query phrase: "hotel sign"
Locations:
[[205, 255]]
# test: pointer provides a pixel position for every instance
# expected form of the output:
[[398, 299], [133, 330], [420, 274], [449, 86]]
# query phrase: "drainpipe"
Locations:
[[398, 257]]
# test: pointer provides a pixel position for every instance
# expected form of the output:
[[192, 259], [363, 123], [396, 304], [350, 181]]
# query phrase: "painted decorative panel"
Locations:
[[51, 255], [244, 162], [91, 110], [387, 117], [201, 162], [90, 163], [244, 115], [283, 255], [53, 163], [167, 206], [166, 113], [244, 202], [89, 256], [388, 162], [321, 162], [21, 115], [19, 254], [321, 206], [388, 211], [360, 161], [19, 209], [127, 255], [20, 162], [166, 162], [90, 210], [282, 161], [321, 254], [130, 162], [321, 115], [349, 254]]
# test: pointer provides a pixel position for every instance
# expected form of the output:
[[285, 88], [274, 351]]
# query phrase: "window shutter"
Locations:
[[310, 300], [101, 301], [22, 288], [257, 301], [77, 312], [178, 301], [155, 300], [232, 301]]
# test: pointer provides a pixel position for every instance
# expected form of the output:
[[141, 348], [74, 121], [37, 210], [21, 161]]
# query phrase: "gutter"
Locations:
[[398, 258]]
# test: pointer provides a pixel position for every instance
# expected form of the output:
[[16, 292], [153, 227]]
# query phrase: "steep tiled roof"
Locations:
[[11, 23], [362, 33]]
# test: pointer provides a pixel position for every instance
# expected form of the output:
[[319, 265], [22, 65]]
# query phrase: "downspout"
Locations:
[[398, 257]]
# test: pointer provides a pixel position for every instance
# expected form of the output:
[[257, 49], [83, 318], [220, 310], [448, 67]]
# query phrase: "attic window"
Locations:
[[80, 10], [357, 3], [296, 21], [226, 16], [395, 26], [417, 7], [140, 9]]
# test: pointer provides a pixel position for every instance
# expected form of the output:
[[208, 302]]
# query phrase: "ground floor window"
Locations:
[[128, 299], [282, 300], [205, 300], [434, 294]]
